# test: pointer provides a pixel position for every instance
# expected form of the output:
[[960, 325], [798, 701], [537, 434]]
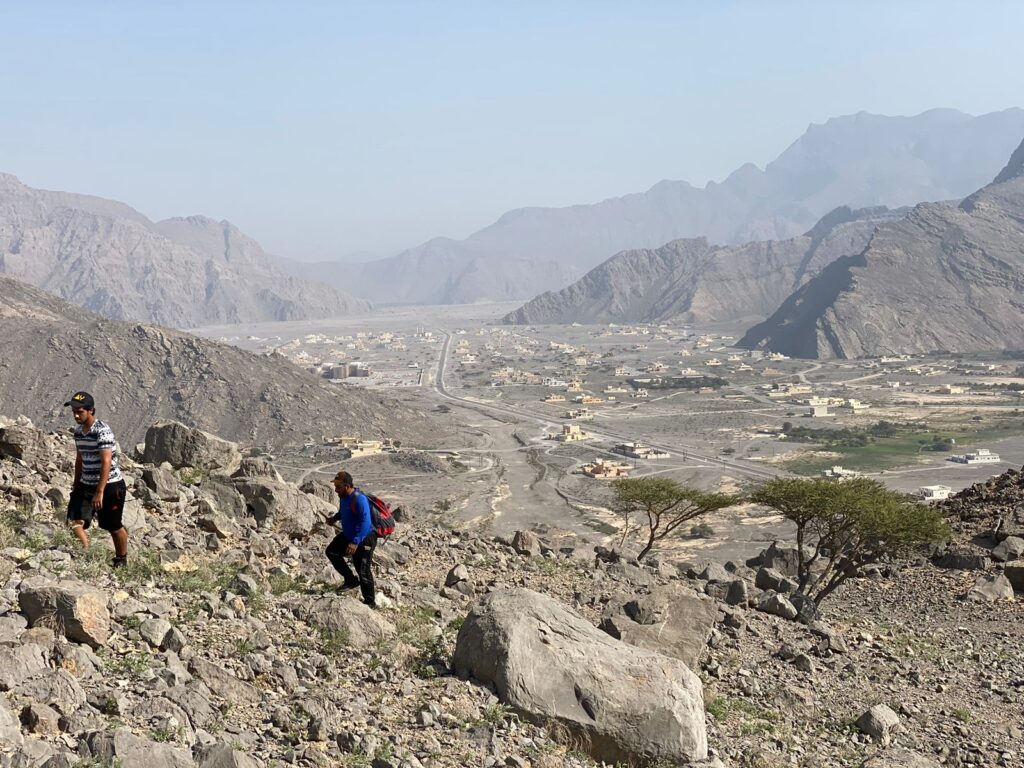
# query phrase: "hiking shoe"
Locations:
[[119, 562], [347, 586]]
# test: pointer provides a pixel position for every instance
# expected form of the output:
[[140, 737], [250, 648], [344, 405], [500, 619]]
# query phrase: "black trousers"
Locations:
[[362, 560]]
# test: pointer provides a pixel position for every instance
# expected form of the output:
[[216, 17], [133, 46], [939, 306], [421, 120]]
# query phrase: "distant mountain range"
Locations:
[[141, 373], [946, 277], [860, 160], [695, 281], [109, 258]]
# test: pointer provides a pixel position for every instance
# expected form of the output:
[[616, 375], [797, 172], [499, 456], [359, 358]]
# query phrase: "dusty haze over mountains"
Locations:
[[947, 277], [857, 160], [109, 258]]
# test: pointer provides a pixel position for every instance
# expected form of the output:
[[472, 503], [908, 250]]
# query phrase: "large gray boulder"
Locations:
[[282, 507], [125, 749], [670, 620], [357, 624], [162, 483], [77, 610], [625, 704], [26, 443], [183, 446]]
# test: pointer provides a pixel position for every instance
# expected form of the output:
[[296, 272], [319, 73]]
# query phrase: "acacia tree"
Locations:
[[842, 527], [664, 504]]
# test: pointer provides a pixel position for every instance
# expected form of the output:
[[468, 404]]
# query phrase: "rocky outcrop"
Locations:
[[181, 446], [945, 278], [695, 281], [112, 260], [626, 704], [856, 160], [141, 374]]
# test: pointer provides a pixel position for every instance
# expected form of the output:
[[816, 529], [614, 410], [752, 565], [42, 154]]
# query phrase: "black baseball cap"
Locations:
[[345, 477], [81, 400]]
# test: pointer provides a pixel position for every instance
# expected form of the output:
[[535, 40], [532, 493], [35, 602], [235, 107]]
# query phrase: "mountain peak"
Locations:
[[1014, 169]]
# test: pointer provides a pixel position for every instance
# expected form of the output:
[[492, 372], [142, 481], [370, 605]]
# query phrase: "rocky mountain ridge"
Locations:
[[109, 258], [141, 373], [856, 160], [695, 281], [225, 643], [946, 277]]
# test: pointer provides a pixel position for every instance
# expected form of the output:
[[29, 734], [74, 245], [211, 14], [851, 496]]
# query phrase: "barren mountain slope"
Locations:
[[111, 259], [142, 373], [857, 160], [698, 282], [946, 277]]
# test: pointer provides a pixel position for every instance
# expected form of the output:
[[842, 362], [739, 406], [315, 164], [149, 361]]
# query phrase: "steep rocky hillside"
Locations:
[[699, 282], [226, 642], [109, 258], [946, 277], [141, 373], [856, 160]]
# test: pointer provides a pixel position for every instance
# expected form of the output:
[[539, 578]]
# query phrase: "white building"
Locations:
[[934, 492], [980, 456]]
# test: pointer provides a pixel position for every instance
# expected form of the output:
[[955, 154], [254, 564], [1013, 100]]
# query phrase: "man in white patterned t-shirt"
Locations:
[[99, 488]]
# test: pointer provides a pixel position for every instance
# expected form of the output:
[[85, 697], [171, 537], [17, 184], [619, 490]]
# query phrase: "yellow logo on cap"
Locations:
[[79, 396]]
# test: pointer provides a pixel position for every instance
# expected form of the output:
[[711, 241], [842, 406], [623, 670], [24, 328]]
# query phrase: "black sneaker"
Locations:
[[347, 586], [119, 562]]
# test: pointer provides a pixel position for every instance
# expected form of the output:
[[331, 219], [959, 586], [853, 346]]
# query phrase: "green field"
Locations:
[[905, 448]]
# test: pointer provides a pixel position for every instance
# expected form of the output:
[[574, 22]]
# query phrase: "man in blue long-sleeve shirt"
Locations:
[[356, 540]]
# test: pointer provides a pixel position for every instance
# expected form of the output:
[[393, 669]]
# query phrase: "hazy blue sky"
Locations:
[[327, 128]]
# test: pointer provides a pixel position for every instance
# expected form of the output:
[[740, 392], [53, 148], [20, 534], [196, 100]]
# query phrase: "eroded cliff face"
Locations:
[[945, 278], [143, 373], [110, 259], [698, 282]]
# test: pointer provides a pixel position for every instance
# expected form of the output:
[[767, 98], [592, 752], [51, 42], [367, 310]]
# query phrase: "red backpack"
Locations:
[[381, 519]]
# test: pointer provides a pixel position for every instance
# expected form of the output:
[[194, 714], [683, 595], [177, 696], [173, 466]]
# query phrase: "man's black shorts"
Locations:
[[109, 517]]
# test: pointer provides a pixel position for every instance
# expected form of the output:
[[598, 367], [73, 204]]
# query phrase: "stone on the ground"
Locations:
[[162, 483], [183, 446], [154, 630], [962, 560], [670, 621], [898, 757], [57, 688], [40, 719], [715, 571], [989, 590], [10, 728], [1014, 573], [456, 574], [123, 748], [878, 723], [1010, 548], [75, 609], [220, 755], [526, 543], [20, 662], [223, 683], [253, 467], [737, 593], [223, 497], [625, 704], [357, 624], [771, 579], [282, 507], [26, 443], [777, 605]]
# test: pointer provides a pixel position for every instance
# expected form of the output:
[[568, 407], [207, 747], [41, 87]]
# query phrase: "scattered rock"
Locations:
[[182, 446], [878, 723]]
